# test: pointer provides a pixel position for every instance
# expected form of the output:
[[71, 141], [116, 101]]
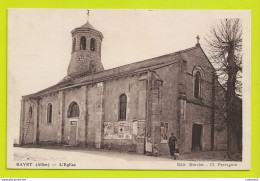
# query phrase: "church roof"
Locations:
[[129, 69], [87, 25]]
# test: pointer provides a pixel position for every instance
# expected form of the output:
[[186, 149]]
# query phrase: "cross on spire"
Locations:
[[198, 39], [88, 13]]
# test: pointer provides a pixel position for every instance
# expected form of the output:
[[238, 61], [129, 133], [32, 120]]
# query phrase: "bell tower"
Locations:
[[86, 51]]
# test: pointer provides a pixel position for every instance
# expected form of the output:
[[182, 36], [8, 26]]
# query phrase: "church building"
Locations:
[[120, 107]]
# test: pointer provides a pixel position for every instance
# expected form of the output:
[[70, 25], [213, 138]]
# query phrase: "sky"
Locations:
[[40, 42]]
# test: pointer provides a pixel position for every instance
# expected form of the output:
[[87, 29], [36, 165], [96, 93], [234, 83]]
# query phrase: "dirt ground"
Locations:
[[61, 153]]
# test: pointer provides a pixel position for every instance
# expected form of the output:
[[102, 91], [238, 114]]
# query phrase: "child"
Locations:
[[155, 150]]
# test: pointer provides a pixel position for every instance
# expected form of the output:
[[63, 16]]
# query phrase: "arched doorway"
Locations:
[[73, 115]]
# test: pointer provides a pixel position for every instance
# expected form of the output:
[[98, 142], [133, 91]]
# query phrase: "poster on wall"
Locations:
[[164, 132], [108, 130], [124, 130], [118, 130], [134, 125], [141, 128]]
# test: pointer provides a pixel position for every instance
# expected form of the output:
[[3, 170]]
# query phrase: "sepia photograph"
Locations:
[[128, 89]]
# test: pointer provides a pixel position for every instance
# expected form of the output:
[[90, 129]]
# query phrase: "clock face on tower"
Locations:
[[81, 57]]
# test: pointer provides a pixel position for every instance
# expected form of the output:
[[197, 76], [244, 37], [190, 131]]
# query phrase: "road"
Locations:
[[81, 158]]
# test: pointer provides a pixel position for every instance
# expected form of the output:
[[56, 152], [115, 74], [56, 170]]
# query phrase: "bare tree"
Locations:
[[225, 50]]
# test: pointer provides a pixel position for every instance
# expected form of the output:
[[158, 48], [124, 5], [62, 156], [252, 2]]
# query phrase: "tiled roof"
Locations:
[[144, 65], [87, 25]]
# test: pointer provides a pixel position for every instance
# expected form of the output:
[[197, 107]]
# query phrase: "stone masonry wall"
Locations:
[[77, 95], [99, 106], [94, 117], [80, 59], [48, 131], [135, 90], [169, 94], [199, 117], [199, 110], [27, 132]]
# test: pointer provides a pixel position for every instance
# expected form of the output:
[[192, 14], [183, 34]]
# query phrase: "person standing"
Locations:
[[148, 145], [171, 142]]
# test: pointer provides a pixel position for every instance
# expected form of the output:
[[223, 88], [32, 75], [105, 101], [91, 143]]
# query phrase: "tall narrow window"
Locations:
[[197, 85], [122, 107], [92, 44], [73, 110], [74, 45], [49, 113], [83, 43]]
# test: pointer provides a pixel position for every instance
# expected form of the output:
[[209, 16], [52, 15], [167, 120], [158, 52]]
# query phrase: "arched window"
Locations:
[[92, 44], [122, 107], [83, 43], [49, 113], [73, 110], [74, 45], [197, 85]]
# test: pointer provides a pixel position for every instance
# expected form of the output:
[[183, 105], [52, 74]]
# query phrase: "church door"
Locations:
[[73, 133], [196, 137]]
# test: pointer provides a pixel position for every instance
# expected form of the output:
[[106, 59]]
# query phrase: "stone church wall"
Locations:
[[88, 56], [99, 109], [199, 110], [94, 117], [196, 58], [135, 90], [169, 95], [78, 95], [48, 131], [198, 115], [28, 123]]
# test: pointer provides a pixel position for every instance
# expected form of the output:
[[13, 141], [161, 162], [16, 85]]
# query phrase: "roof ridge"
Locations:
[[67, 80], [173, 53]]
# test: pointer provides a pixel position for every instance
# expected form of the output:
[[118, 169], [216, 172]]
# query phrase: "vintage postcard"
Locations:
[[128, 89]]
